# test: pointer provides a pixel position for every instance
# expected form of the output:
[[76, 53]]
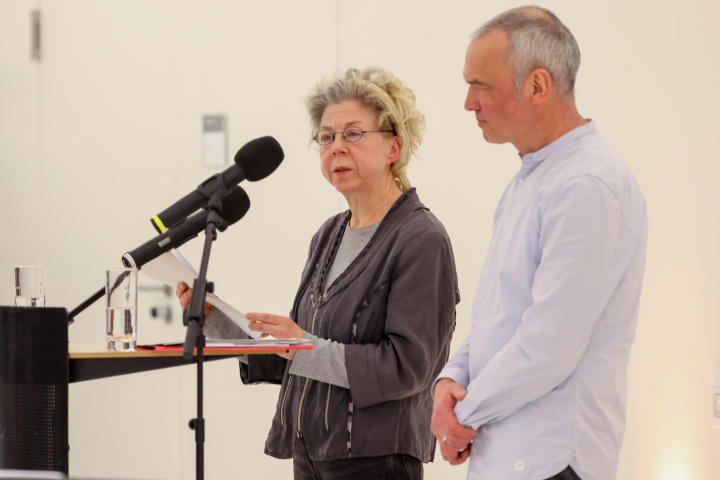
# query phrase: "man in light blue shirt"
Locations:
[[538, 388]]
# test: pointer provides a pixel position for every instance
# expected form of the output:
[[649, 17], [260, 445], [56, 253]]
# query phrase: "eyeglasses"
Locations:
[[351, 134]]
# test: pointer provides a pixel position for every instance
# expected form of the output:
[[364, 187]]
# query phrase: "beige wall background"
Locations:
[[105, 132]]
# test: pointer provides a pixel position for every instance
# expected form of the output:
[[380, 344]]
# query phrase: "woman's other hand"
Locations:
[[184, 293], [277, 326]]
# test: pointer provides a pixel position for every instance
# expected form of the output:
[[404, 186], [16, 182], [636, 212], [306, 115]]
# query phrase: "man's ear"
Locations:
[[539, 83]]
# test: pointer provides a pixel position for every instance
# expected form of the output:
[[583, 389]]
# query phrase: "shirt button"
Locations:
[[521, 181]]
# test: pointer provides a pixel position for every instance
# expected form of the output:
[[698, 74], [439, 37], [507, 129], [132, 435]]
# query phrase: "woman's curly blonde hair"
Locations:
[[384, 93]]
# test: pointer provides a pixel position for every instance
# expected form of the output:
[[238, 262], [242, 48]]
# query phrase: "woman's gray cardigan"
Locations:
[[394, 310]]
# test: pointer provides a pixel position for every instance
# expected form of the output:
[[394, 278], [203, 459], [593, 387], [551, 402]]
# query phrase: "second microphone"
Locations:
[[234, 206]]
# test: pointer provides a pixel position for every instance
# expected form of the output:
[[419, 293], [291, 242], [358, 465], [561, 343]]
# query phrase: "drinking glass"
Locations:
[[121, 295], [29, 286]]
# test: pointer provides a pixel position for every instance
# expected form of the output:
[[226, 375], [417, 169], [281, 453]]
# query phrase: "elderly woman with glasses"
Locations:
[[377, 298]]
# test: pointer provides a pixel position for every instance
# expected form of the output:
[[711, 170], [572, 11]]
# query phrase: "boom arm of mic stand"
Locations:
[[94, 298]]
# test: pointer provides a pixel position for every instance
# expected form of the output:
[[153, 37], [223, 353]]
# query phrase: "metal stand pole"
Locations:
[[194, 318]]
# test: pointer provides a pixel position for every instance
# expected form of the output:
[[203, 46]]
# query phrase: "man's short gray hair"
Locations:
[[537, 39]]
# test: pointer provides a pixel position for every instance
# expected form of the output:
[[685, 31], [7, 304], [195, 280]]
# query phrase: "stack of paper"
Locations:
[[171, 268]]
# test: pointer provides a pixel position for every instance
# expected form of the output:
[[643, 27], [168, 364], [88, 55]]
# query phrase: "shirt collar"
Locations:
[[569, 137]]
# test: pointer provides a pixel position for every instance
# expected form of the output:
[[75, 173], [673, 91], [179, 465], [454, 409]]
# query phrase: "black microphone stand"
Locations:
[[194, 319]]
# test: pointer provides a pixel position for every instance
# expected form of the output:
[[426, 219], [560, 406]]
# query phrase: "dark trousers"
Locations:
[[567, 474], [387, 467]]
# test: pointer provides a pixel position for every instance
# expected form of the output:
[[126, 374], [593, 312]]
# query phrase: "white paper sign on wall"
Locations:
[[214, 141]]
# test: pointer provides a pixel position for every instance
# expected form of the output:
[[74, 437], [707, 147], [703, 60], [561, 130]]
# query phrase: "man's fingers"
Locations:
[[461, 431], [452, 456], [465, 454], [457, 391], [446, 453], [462, 456]]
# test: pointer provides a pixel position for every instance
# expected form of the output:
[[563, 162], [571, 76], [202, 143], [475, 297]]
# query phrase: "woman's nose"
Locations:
[[339, 144]]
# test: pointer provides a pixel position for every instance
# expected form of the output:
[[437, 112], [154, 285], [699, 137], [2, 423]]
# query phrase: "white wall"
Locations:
[[105, 132]]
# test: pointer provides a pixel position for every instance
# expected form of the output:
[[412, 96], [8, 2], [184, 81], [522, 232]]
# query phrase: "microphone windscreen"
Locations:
[[234, 205], [259, 158]]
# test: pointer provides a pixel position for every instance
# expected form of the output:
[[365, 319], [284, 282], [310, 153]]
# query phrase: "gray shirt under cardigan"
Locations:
[[326, 362]]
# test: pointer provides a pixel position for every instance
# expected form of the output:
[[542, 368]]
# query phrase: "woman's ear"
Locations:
[[394, 152]]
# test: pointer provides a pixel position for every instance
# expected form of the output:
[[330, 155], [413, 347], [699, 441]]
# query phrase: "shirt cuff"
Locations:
[[325, 362]]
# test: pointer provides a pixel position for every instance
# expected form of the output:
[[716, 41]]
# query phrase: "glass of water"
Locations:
[[29, 286], [121, 296]]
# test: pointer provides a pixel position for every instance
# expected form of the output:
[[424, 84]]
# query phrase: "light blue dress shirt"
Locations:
[[554, 316]]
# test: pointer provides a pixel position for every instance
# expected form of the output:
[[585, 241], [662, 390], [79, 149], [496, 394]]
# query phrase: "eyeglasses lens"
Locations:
[[351, 134]]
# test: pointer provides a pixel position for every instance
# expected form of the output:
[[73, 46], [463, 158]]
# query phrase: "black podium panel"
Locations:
[[34, 388]]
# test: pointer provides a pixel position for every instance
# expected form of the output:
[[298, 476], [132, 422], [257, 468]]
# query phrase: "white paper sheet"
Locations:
[[171, 268]]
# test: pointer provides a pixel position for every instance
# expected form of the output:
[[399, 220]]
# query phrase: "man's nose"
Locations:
[[470, 101]]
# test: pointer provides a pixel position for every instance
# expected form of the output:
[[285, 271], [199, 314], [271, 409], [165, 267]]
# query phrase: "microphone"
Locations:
[[254, 161], [234, 206]]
